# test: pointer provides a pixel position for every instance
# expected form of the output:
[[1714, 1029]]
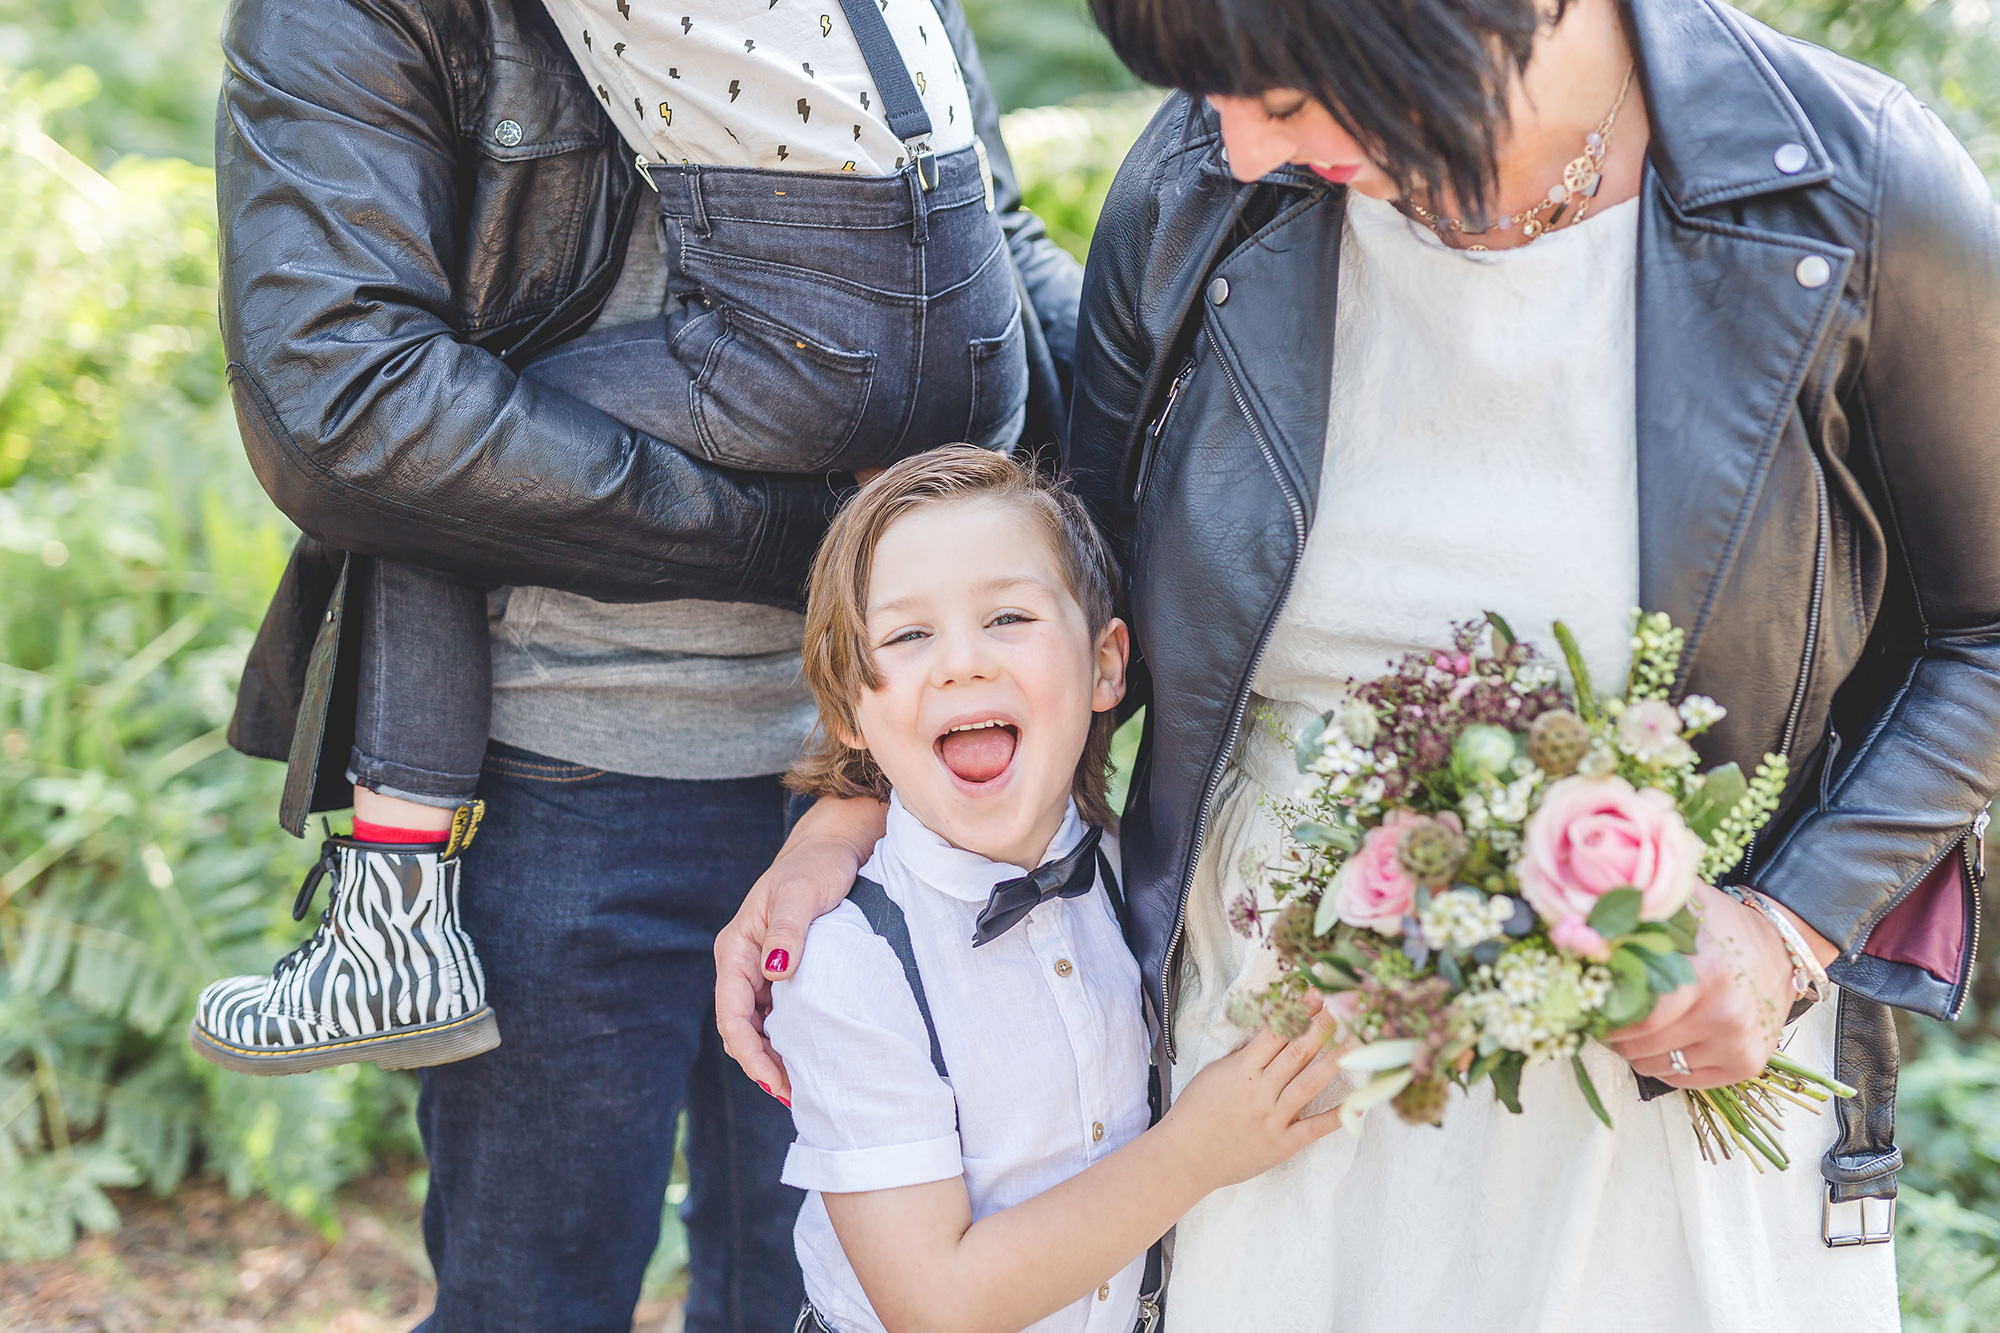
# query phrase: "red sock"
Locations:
[[367, 832]]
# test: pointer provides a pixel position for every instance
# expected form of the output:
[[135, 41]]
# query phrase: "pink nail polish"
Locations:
[[777, 961]]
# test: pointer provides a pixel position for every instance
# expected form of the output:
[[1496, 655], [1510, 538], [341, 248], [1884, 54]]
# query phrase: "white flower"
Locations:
[[1357, 720], [1700, 712], [1462, 919], [1533, 676]]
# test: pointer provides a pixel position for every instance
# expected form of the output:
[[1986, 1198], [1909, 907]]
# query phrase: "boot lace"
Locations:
[[327, 868]]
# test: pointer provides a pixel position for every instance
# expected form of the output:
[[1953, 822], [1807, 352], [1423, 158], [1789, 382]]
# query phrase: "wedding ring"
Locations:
[[1679, 1062]]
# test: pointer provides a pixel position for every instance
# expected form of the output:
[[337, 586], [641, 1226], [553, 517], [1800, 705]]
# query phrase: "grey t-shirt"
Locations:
[[683, 689]]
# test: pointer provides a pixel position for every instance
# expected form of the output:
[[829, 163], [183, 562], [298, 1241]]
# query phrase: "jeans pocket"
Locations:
[[999, 377], [771, 399]]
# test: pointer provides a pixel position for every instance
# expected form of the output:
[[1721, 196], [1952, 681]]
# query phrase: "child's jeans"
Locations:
[[425, 693], [814, 323]]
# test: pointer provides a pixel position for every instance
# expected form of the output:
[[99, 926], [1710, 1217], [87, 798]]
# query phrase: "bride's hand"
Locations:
[[763, 941], [1727, 1024]]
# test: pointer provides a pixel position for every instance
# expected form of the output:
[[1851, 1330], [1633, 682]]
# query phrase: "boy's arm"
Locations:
[[926, 1265]]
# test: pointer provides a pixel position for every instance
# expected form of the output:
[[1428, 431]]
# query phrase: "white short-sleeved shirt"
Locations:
[[1042, 1031], [780, 87]]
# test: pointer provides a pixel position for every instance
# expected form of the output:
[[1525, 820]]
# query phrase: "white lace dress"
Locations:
[[1481, 455]]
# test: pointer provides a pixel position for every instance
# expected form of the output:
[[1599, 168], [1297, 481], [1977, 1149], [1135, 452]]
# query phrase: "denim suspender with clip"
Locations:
[[901, 106], [886, 919]]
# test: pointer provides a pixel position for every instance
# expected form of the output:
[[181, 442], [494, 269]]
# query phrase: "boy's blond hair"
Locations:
[[838, 663]]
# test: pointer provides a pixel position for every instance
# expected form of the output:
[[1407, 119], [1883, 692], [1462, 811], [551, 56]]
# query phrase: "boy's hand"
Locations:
[[761, 944], [1244, 1108]]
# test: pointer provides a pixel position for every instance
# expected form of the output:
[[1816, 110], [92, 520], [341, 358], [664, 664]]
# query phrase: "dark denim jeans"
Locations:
[[595, 899], [425, 691]]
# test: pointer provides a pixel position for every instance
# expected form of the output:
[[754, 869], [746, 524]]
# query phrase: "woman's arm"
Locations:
[[926, 1265], [763, 942], [340, 172], [1926, 760]]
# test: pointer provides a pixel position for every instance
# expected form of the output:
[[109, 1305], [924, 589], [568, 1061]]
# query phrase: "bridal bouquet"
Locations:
[[1492, 871]]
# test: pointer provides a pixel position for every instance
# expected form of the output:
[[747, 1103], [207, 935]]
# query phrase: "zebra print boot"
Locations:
[[389, 976]]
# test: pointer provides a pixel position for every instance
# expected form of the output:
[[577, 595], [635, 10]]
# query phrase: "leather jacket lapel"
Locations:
[[1277, 346], [1719, 302]]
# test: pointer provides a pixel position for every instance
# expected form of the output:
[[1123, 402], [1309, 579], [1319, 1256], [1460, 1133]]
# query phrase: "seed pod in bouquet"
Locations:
[[1557, 742], [1289, 1017], [1422, 1103], [1292, 936], [1432, 851]]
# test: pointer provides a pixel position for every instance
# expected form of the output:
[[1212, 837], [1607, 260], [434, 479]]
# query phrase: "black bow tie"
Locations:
[[1070, 877]]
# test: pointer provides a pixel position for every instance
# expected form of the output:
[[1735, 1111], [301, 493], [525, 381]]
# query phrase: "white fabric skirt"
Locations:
[[1546, 1221]]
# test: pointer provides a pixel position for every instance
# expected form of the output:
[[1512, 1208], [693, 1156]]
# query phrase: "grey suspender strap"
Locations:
[[901, 106], [885, 918]]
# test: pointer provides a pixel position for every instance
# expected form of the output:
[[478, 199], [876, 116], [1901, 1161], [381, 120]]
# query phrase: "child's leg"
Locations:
[[424, 702]]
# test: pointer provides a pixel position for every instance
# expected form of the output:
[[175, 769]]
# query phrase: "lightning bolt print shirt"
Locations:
[[767, 84]]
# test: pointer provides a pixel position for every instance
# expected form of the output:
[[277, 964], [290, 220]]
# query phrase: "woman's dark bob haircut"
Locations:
[[1420, 84]]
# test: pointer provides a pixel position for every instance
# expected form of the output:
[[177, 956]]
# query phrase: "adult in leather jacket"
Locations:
[[390, 259], [1818, 390]]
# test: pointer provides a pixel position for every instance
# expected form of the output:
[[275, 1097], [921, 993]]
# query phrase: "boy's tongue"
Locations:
[[978, 756]]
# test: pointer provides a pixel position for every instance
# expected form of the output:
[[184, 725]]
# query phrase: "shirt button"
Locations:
[[1791, 158], [1063, 967], [1104, 1292], [1097, 1131], [1813, 271], [507, 133]]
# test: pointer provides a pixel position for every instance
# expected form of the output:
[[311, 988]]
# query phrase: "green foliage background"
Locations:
[[139, 857]]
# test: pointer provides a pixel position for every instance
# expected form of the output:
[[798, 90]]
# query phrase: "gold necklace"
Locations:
[[1580, 182]]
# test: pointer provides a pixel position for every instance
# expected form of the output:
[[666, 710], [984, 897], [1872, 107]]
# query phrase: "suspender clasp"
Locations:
[[926, 163]]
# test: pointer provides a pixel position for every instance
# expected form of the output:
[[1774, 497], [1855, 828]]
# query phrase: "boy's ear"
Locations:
[[1114, 646]]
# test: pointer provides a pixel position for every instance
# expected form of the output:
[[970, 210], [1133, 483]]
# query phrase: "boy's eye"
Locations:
[[906, 636], [1011, 618]]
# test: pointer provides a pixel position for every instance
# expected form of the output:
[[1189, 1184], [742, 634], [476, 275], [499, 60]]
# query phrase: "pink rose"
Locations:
[[1372, 888], [1593, 835], [1573, 935]]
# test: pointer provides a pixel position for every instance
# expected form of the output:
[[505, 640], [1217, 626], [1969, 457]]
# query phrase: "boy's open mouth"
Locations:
[[978, 751]]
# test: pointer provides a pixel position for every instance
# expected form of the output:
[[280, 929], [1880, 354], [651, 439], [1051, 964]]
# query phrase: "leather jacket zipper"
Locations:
[[1151, 449], [1229, 738], [1971, 845], [1790, 733], [1813, 614]]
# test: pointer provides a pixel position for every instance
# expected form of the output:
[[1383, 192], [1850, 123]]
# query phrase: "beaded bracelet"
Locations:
[[1809, 979]]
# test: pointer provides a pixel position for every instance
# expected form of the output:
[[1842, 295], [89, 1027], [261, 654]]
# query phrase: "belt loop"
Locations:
[[696, 207], [920, 229]]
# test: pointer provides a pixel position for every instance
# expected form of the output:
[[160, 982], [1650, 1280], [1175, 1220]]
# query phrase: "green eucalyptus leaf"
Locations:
[[1589, 1089], [1631, 997], [1507, 1080], [1616, 913], [1668, 971], [1707, 805]]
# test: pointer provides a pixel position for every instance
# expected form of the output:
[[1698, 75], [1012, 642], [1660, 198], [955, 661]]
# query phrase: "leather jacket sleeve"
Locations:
[[367, 417], [1919, 766], [1114, 352]]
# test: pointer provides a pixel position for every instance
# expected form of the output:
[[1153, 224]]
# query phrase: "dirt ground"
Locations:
[[200, 1262]]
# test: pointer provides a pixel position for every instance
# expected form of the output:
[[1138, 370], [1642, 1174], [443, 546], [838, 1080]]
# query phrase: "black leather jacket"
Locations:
[[389, 258], [1819, 466]]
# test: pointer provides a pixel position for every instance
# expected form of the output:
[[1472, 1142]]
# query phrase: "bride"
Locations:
[[1405, 310]]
